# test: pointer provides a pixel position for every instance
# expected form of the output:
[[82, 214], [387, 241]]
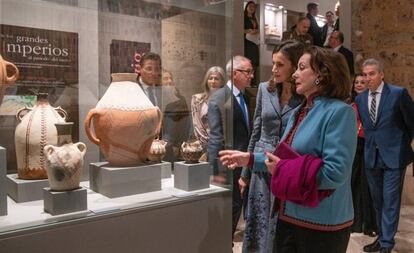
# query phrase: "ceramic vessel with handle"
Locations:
[[125, 122], [35, 130], [6, 79], [65, 160]]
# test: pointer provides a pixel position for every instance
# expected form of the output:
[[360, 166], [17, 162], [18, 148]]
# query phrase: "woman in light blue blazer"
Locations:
[[276, 100], [322, 128]]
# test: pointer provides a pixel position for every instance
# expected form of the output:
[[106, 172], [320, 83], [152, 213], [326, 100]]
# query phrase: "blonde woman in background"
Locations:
[[213, 80]]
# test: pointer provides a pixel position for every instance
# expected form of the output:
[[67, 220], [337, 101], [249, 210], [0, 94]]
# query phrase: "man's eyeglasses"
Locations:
[[151, 70], [246, 71]]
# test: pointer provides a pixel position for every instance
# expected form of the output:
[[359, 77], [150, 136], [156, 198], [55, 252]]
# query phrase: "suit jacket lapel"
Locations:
[[274, 100], [384, 96], [292, 104], [364, 107], [238, 114]]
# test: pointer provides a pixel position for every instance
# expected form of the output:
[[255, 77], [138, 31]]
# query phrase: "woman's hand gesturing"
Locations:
[[233, 158]]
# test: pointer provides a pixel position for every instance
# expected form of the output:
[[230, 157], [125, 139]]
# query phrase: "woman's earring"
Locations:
[[317, 82]]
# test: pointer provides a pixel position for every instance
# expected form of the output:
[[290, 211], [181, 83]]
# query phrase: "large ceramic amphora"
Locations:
[[64, 161], [5, 79], [125, 122], [35, 130]]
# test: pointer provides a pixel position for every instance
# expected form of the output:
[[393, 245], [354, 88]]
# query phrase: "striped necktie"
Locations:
[[373, 108]]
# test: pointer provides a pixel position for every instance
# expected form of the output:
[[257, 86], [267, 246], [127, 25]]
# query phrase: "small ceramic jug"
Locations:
[[157, 150], [191, 151], [6, 80], [64, 162]]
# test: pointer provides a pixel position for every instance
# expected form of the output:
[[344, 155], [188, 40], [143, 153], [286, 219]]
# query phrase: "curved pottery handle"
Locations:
[[20, 113], [48, 151], [13, 78], [61, 112], [88, 130], [81, 146]]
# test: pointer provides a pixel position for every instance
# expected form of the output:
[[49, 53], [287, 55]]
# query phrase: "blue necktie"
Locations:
[[243, 109]]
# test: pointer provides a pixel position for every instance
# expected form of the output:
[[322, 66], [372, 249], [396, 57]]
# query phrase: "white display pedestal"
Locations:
[[3, 173], [116, 182], [21, 190], [192, 176], [60, 202], [166, 170]]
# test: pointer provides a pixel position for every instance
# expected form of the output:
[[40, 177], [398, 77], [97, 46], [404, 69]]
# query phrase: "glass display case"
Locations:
[[275, 22], [98, 103]]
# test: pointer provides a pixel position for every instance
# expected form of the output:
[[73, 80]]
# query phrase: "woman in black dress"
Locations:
[[251, 27], [364, 213]]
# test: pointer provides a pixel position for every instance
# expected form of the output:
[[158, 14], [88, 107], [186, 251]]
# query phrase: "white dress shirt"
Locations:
[[328, 34]]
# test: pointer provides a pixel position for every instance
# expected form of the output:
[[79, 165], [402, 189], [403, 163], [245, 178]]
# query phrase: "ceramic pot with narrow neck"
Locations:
[[5, 79], [65, 160], [125, 122], [191, 151], [35, 130]]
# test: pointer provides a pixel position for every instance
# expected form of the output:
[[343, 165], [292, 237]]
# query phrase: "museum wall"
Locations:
[[192, 43], [380, 31]]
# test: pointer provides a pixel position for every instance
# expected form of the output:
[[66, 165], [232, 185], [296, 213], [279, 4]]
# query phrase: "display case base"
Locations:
[[191, 177], [61, 202], [3, 173], [21, 190], [116, 182], [166, 170]]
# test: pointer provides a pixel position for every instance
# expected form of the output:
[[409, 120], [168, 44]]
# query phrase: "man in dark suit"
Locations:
[[335, 42], [228, 120], [176, 122], [314, 30], [387, 115], [328, 28]]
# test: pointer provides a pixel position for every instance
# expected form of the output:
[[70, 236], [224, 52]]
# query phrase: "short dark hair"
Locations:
[[301, 18], [149, 56], [311, 6], [333, 70], [353, 92], [340, 36], [329, 12]]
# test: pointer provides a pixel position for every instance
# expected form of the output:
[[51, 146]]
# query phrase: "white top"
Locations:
[[377, 96]]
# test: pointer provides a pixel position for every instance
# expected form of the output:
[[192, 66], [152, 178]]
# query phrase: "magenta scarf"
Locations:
[[295, 180]]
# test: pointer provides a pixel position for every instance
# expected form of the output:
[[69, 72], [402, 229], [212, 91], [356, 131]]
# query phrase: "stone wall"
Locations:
[[384, 29]]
